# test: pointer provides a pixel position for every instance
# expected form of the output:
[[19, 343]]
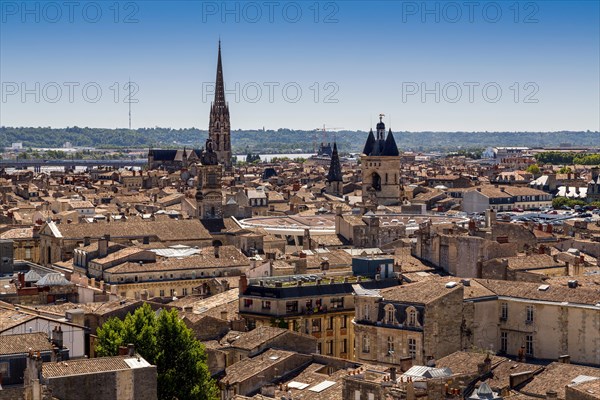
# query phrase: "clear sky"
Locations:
[[440, 66]]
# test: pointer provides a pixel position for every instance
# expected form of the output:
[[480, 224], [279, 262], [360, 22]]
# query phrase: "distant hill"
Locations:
[[285, 140]]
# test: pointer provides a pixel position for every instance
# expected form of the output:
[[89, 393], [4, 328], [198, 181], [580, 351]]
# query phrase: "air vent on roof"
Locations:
[[543, 288]]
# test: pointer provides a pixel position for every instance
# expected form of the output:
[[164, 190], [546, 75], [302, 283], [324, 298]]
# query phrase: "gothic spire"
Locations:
[[335, 169], [219, 104]]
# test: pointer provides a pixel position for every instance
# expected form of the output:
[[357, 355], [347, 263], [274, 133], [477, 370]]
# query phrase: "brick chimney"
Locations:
[[21, 278]]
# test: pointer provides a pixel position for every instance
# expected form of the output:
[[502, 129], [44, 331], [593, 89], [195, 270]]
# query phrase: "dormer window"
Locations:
[[390, 312], [411, 317]]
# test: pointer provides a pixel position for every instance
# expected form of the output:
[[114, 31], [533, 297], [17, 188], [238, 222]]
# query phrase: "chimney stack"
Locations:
[[393, 374], [243, 284], [57, 337], [103, 246]]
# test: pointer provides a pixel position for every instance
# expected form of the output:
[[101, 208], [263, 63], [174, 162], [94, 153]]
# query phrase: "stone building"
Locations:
[[25, 242], [593, 187], [457, 252], [319, 307], [174, 276], [420, 321], [58, 241], [209, 198], [533, 320], [127, 377], [380, 166]]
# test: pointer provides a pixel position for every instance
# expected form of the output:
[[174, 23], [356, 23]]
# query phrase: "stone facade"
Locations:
[[380, 167], [390, 326]]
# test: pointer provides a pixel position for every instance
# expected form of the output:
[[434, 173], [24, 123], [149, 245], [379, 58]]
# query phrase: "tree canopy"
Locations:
[[164, 341]]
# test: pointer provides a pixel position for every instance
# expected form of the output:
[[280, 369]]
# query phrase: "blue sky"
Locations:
[[440, 66]]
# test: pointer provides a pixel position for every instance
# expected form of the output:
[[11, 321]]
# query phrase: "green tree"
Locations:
[[565, 170], [559, 202], [166, 342], [533, 169]]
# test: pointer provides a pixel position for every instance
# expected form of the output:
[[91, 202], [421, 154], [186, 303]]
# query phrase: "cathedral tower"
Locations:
[[334, 177], [209, 197], [380, 166], [219, 128]]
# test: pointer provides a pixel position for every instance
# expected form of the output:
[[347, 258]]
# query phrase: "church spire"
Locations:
[[219, 104], [335, 169], [219, 127]]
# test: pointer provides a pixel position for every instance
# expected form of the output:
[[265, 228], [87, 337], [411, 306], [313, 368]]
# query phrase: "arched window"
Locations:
[[366, 344], [390, 312], [411, 317], [376, 181]]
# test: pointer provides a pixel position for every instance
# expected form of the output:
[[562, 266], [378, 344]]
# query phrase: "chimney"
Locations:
[[393, 374], [123, 350], [551, 395], [57, 337], [224, 315], [216, 249], [21, 278], [103, 246], [306, 240], [146, 240], [405, 363], [130, 350], [243, 284], [86, 241], [471, 225], [33, 370]]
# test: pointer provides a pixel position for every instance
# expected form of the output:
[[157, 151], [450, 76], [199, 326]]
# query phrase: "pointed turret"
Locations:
[[390, 148], [335, 169], [369, 144]]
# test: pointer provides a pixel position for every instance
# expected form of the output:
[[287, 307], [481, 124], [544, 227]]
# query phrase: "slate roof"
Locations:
[[324, 289]]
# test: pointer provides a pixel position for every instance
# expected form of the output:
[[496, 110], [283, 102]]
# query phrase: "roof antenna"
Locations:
[[129, 101]]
